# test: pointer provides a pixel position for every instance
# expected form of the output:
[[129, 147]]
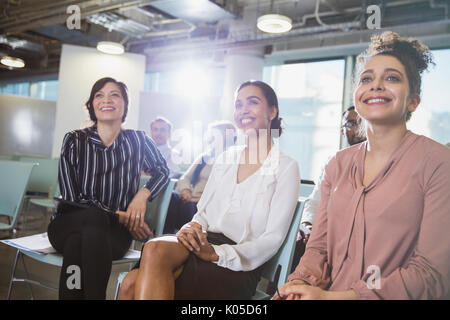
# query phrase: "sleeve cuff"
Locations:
[[226, 257]]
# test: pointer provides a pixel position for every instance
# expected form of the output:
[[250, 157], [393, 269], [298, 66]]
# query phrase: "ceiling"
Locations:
[[35, 30]]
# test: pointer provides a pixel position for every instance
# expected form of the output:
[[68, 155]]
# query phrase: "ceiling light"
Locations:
[[110, 47], [274, 23], [12, 62]]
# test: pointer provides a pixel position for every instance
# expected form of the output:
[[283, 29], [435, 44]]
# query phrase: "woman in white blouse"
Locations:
[[242, 219]]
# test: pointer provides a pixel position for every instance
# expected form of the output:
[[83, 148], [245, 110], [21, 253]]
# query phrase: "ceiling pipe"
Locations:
[[22, 25], [292, 37]]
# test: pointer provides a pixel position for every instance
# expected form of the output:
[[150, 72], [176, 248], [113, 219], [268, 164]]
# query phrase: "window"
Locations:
[[310, 100], [432, 117], [47, 90], [21, 89]]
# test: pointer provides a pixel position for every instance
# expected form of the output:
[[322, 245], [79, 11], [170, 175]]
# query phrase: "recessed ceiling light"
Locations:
[[274, 23], [110, 47], [12, 62]]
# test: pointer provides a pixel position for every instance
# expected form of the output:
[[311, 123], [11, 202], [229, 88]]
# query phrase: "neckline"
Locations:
[[268, 158], [94, 137], [360, 165]]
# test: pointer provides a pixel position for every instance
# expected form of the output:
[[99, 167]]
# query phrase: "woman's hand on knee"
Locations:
[[141, 233], [207, 253], [136, 210], [192, 236]]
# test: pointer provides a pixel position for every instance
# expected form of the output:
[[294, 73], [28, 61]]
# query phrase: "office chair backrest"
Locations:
[[156, 213], [14, 177], [277, 269], [44, 176]]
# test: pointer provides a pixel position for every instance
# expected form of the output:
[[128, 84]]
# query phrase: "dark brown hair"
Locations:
[[411, 53], [98, 85], [271, 98]]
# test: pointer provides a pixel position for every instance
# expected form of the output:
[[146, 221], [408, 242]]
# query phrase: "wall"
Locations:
[[26, 126], [79, 68], [189, 117]]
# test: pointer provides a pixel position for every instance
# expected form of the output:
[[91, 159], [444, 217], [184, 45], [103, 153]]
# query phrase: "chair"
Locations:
[[156, 212], [155, 217], [306, 189], [277, 269], [43, 180], [44, 176], [155, 220], [14, 180], [49, 202], [54, 259]]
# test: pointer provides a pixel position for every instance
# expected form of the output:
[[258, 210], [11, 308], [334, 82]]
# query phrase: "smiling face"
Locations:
[[383, 93], [108, 103], [252, 111], [160, 132]]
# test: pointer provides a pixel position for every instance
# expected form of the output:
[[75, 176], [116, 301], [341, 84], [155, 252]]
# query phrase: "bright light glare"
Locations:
[[12, 62], [110, 47], [192, 82]]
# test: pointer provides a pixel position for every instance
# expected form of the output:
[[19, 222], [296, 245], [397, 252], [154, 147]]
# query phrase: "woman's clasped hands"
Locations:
[[192, 236], [299, 290]]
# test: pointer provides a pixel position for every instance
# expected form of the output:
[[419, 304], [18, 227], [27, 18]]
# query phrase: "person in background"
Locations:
[[381, 227], [243, 216], [101, 207], [350, 129], [160, 131], [183, 204]]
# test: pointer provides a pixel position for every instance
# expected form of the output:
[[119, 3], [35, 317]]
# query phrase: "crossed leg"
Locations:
[[161, 264]]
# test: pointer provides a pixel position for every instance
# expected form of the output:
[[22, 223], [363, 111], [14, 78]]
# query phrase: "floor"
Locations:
[[36, 221]]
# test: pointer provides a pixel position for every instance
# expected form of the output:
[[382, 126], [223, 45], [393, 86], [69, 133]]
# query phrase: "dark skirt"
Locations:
[[204, 280]]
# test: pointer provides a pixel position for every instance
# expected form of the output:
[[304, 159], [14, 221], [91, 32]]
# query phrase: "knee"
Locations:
[[154, 252], [127, 286]]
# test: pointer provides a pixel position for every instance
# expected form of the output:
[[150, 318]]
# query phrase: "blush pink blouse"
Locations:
[[390, 239]]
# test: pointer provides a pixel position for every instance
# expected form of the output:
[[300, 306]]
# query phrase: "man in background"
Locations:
[[160, 130]]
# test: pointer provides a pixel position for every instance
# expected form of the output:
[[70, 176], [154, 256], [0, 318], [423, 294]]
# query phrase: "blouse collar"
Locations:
[[94, 137], [358, 166]]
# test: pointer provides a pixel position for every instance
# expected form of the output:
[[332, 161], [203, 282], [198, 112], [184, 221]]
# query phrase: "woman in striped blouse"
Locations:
[[102, 207]]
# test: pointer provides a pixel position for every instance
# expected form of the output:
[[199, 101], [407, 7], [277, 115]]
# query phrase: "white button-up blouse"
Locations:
[[256, 213]]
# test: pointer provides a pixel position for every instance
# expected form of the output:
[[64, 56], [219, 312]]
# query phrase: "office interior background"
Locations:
[[183, 59]]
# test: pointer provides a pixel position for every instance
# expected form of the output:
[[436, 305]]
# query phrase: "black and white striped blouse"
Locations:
[[108, 177]]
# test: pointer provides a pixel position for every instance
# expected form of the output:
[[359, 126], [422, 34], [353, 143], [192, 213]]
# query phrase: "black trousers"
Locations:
[[89, 240], [179, 213]]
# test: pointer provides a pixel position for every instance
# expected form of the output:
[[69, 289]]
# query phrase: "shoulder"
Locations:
[[137, 136], [79, 134], [433, 150], [435, 157], [288, 163], [134, 133]]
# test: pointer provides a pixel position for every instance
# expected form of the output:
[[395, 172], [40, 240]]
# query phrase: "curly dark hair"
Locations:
[[412, 53]]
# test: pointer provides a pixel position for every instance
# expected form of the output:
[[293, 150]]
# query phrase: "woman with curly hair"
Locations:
[[381, 228]]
